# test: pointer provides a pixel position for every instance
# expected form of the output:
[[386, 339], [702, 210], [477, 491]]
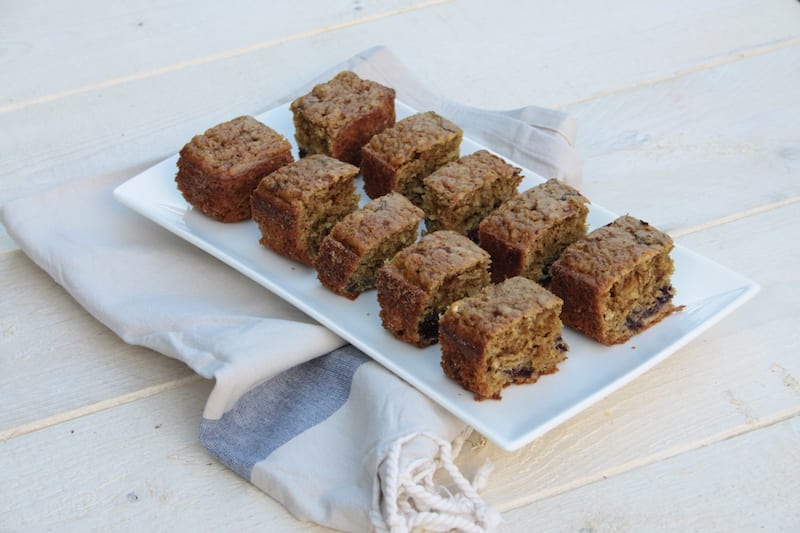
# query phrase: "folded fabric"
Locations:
[[313, 422]]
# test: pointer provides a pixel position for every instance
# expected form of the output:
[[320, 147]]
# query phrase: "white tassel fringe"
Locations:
[[410, 501]]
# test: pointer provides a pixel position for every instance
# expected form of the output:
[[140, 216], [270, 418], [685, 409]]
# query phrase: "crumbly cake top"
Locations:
[[523, 217], [497, 305], [615, 248], [236, 144], [335, 103], [411, 136], [456, 180], [384, 215], [439, 254], [306, 177]]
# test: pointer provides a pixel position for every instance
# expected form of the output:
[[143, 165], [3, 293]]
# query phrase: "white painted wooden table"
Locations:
[[688, 115]]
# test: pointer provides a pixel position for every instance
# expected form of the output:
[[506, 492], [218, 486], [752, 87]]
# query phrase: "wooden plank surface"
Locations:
[[687, 116], [595, 58], [153, 38], [126, 138], [131, 468], [660, 150], [699, 490]]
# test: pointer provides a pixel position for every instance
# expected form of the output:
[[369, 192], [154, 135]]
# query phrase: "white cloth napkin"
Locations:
[[313, 422]]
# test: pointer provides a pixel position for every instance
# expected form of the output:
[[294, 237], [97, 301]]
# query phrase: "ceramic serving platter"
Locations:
[[708, 290]]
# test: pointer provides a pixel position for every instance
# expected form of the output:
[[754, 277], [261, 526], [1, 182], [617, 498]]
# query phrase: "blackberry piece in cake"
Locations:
[[616, 281], [420, 281], [508, 333]]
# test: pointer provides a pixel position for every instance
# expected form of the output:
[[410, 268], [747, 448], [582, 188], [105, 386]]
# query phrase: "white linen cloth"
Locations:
[[313, 422]]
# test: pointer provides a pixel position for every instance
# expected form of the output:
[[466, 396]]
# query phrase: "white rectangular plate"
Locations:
[[708, 291]]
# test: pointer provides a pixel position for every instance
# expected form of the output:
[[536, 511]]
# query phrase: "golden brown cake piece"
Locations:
[[401, 157], [616, 281], [418, 284], [298, 204], [363, 241], [508, 333], [218, 170], [460, 194], [338, 117], [527, 233]]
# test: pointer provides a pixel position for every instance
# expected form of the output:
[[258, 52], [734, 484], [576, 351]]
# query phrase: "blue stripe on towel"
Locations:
[[277, 410]]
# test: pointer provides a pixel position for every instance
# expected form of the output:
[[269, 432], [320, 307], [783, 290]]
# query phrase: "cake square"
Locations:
[[298, 204], [400, 157], [218, 170], [363, 241], [507, 333], [528, 232], [616, 281], [420, 281], [338, 117], [460, 194]]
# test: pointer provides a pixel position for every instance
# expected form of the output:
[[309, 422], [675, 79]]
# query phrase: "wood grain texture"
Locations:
[[152, 36], [155, 38], [696, 148], [699, 490]]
